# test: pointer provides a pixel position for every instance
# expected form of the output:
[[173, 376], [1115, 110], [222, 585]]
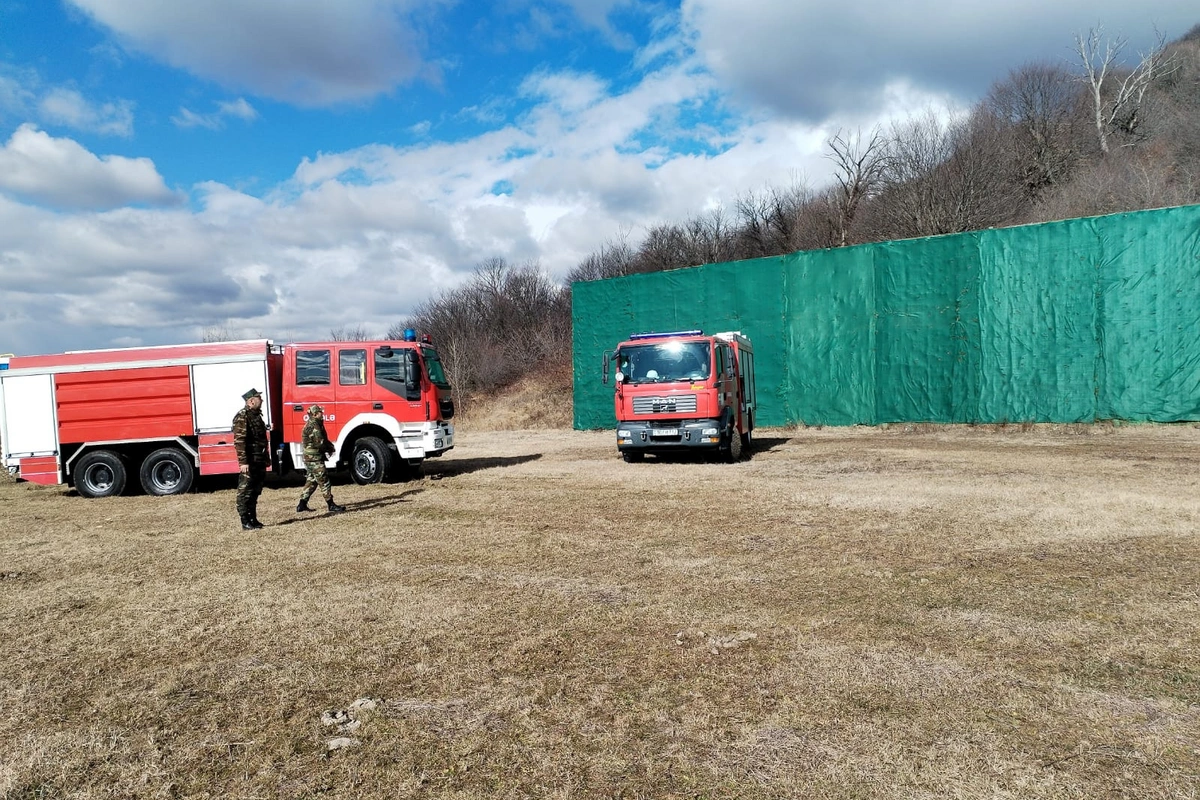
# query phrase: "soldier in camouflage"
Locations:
[[253, 454], [317, 448]]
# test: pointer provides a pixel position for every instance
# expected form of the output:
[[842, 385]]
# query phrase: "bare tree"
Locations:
[[502, 324], [343, 334], [859, 169], [945, 177], [1045, 110], [219, 333], [1119, 107]]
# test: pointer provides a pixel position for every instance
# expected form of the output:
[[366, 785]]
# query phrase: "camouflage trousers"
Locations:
[[314, 477], [250, 486]]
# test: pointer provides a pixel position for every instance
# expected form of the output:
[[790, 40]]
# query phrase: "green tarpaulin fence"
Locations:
[[1073, 321]]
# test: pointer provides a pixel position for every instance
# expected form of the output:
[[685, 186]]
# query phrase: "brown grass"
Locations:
[[852, 613]]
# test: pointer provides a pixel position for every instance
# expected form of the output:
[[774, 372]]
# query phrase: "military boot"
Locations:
[[254, 523], [303, 505], [247, 525], [334, 508]]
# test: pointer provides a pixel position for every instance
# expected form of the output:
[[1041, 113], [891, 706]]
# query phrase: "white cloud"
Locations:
[[801, 58], [308, 52], [68, 107], [239, 109], [365, 235], [24, 96], [62, 173]]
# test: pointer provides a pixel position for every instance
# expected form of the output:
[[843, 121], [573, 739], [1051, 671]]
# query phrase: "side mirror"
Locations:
[[604, 370], [412, 371], [620, 377]]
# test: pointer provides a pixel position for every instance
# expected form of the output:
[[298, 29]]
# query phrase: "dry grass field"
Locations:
[[909, 612]]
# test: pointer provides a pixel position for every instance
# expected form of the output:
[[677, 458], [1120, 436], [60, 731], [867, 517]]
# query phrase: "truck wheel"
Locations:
[[633, 456], [733, 445], [167, 471], [747, 440], [371, 460], [100, 473]]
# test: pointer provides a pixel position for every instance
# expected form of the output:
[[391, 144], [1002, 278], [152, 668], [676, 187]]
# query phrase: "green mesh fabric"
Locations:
[[1085, 319]]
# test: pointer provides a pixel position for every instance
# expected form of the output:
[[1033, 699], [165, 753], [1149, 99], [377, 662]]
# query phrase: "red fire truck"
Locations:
[[99, 419], [681, 391]]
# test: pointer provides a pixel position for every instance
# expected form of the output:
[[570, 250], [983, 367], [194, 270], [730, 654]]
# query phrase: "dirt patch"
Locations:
[[852, 612]]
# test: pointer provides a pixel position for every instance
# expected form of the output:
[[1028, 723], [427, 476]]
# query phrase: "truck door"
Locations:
[[353, 392], [727, 393], [314, 384], [398, 381]]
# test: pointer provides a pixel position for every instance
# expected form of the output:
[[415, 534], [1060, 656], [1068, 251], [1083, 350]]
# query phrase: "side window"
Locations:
[[729, 365], [720, 361], [352, 367], [312, 367], [389, 370]]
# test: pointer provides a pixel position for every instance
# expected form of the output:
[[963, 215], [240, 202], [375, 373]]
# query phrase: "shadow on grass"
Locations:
[[465, 466], [766, 444], [351, 508], [432, 468]]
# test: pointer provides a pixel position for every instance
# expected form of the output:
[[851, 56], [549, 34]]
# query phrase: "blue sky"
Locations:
[[282, 168]]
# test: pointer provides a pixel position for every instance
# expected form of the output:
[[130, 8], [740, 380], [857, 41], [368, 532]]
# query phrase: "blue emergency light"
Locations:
[[666, 335], [410, 335]]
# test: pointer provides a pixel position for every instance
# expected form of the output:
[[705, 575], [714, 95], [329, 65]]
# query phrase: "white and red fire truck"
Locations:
[[682, 390], [101, 419]]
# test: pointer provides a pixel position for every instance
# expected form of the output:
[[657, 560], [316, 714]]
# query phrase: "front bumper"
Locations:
[[428, 441], [670, 435]]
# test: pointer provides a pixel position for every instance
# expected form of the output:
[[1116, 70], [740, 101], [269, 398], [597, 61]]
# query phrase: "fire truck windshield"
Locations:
[[665, 361], [433, 365]]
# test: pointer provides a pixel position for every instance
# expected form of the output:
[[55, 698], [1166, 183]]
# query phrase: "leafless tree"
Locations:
[[1045, 110], [344, 334], [219, 333], [944, 177], [859, 169], [1117, 97], [502, 324]]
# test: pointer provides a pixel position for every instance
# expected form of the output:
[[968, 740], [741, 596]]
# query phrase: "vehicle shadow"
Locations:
[[465, 466], [766, 444]]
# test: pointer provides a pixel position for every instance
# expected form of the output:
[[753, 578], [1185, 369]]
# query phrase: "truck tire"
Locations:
[[167, 471], [633, 456], [100, 473], [370, 461], [732, 450], [747, 440]]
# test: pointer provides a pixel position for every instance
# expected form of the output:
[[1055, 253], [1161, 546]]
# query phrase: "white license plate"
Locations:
[[664, 431]]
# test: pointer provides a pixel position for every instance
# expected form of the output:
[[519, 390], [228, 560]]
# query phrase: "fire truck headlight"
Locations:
[[624, 434], [709, 432]]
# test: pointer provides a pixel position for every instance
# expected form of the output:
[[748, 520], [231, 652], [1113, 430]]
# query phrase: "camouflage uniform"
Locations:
[[317, 448], [250, 442]]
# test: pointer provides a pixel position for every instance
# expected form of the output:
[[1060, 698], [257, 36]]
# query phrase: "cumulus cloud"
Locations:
[[363, 236], [24, 95], [69, 107], [307, 52], [810, 61], [214, 121], [63, 174]]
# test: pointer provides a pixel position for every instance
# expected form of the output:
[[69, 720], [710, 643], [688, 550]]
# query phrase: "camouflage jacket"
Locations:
[[250, 437], [316, 441]]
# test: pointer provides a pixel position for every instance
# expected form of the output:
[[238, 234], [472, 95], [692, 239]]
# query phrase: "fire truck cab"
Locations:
[[683, 391]]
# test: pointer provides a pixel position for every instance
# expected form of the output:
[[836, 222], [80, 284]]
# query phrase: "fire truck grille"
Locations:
[[673, 404]]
